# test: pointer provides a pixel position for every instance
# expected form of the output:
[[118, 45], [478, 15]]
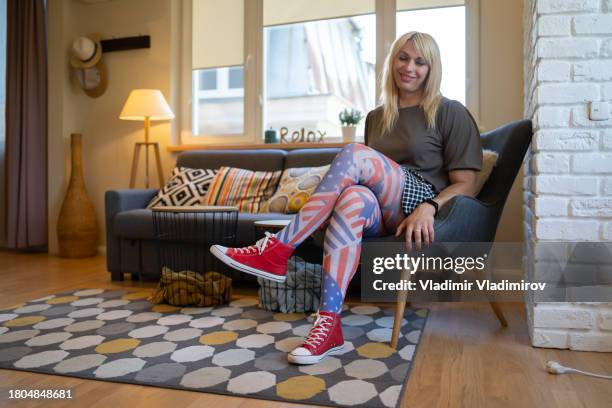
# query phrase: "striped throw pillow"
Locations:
[[245, 189]]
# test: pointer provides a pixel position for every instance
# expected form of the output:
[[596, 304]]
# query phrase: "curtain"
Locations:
[[26, 124]]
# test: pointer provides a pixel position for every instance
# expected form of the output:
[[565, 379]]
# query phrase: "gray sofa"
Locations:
[[130, 242], [131, 246]]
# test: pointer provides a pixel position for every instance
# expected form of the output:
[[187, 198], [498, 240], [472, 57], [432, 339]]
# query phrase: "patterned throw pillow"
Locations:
[[296, 186], [242, 188], [185, 187]]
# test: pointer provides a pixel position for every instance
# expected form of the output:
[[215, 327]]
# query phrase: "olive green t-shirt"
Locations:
[[454, 143]]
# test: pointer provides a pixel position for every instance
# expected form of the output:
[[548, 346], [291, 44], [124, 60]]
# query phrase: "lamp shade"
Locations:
[[142, 103]]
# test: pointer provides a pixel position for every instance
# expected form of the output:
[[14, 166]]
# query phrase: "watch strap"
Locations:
[[434, 204]]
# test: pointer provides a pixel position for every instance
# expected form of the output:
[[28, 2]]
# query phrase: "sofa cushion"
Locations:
[[242, 188], [138, 224], [256, 160], [310, 157], [295, 187], [489, 158]]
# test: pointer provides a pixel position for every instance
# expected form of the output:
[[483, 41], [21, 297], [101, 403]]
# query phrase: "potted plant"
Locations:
[[349, 120]]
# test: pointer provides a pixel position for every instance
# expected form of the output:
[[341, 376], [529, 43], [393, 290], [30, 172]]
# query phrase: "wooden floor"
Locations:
[[464, 360]]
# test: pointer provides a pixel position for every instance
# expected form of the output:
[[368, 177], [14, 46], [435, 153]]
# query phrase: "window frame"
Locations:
[[385, 11]]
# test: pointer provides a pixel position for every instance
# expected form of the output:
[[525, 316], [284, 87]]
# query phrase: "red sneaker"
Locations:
[[325, 338], [268, 258]]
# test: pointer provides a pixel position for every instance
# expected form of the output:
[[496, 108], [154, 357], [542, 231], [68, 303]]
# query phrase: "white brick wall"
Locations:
[[595, 163], [568, 171], [606, 92], [567, 93], [550, 206], [560, 140], [568, 47], [606, 140], [566, 230], [606, 48], [549, 116], [555, 25], [548, 185], [600, 70], [594, 24], [561, 6], [550, 163], [554, 71], [606, 188]]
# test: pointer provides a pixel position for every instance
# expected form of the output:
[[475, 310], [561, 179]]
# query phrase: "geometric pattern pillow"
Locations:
[[295, 187], [185, 187], [242, 188]]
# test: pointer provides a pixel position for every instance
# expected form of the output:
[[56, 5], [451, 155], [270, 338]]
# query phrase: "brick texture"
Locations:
[[568, 171]]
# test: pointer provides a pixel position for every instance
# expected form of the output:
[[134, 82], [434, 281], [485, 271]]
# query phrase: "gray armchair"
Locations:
[[468, 219], [455, 220]]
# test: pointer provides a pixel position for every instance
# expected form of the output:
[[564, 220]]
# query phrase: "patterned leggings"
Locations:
[[360, 196]]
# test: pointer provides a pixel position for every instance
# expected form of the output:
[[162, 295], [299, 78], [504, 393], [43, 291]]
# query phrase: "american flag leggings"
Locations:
[[360, 196]]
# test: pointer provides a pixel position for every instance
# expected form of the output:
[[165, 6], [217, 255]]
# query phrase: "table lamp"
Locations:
[[146, 105]]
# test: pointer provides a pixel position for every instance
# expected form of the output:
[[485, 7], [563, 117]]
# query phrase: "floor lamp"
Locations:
[[146, 105]]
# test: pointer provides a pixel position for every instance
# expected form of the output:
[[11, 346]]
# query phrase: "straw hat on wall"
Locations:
[[88, 67]]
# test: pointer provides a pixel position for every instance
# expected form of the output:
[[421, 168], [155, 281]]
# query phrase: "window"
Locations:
[[319, 58], [218, 94], [447, 25], [217, 88], [248, 65]]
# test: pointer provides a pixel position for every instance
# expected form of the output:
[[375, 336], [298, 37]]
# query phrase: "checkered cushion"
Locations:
[[185, 187]]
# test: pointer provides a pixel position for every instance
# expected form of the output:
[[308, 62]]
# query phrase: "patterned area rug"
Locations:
[[237, 349]]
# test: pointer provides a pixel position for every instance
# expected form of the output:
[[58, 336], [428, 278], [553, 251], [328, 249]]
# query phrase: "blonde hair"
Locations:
[[389, 98]]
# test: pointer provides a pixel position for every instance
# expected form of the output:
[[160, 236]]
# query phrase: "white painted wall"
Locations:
[[108, 142]]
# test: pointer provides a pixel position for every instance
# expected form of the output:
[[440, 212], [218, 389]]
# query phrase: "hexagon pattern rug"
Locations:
[[236, 349]]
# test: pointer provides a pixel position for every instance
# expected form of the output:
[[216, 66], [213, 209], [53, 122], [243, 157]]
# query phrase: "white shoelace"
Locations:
[[259, 245], [319, 330]]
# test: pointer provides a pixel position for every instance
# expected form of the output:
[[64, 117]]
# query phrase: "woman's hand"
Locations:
[[421, 223]]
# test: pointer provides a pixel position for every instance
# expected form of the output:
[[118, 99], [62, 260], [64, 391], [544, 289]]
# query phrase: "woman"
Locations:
[[422, 150]]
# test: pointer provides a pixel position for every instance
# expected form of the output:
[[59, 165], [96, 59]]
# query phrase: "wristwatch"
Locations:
[[435, 205]]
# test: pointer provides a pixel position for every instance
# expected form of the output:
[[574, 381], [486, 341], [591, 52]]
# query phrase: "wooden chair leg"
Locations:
[[399, 310], [494, 305], [498, 312]]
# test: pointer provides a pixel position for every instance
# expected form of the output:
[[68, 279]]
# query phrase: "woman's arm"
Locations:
[[462, 182], [421, 220]]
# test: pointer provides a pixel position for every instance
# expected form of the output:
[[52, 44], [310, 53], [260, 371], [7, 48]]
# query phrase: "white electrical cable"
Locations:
[[555, 368]]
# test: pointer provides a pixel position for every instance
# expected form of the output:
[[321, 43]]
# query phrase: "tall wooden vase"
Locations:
[[77, 228]]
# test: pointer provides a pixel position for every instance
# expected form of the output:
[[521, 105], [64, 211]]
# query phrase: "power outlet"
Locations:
[[599, 111]]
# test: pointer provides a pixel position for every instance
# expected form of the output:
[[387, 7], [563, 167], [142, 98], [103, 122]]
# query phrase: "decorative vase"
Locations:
[[348, 133], [77, 228], [271, 136]]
